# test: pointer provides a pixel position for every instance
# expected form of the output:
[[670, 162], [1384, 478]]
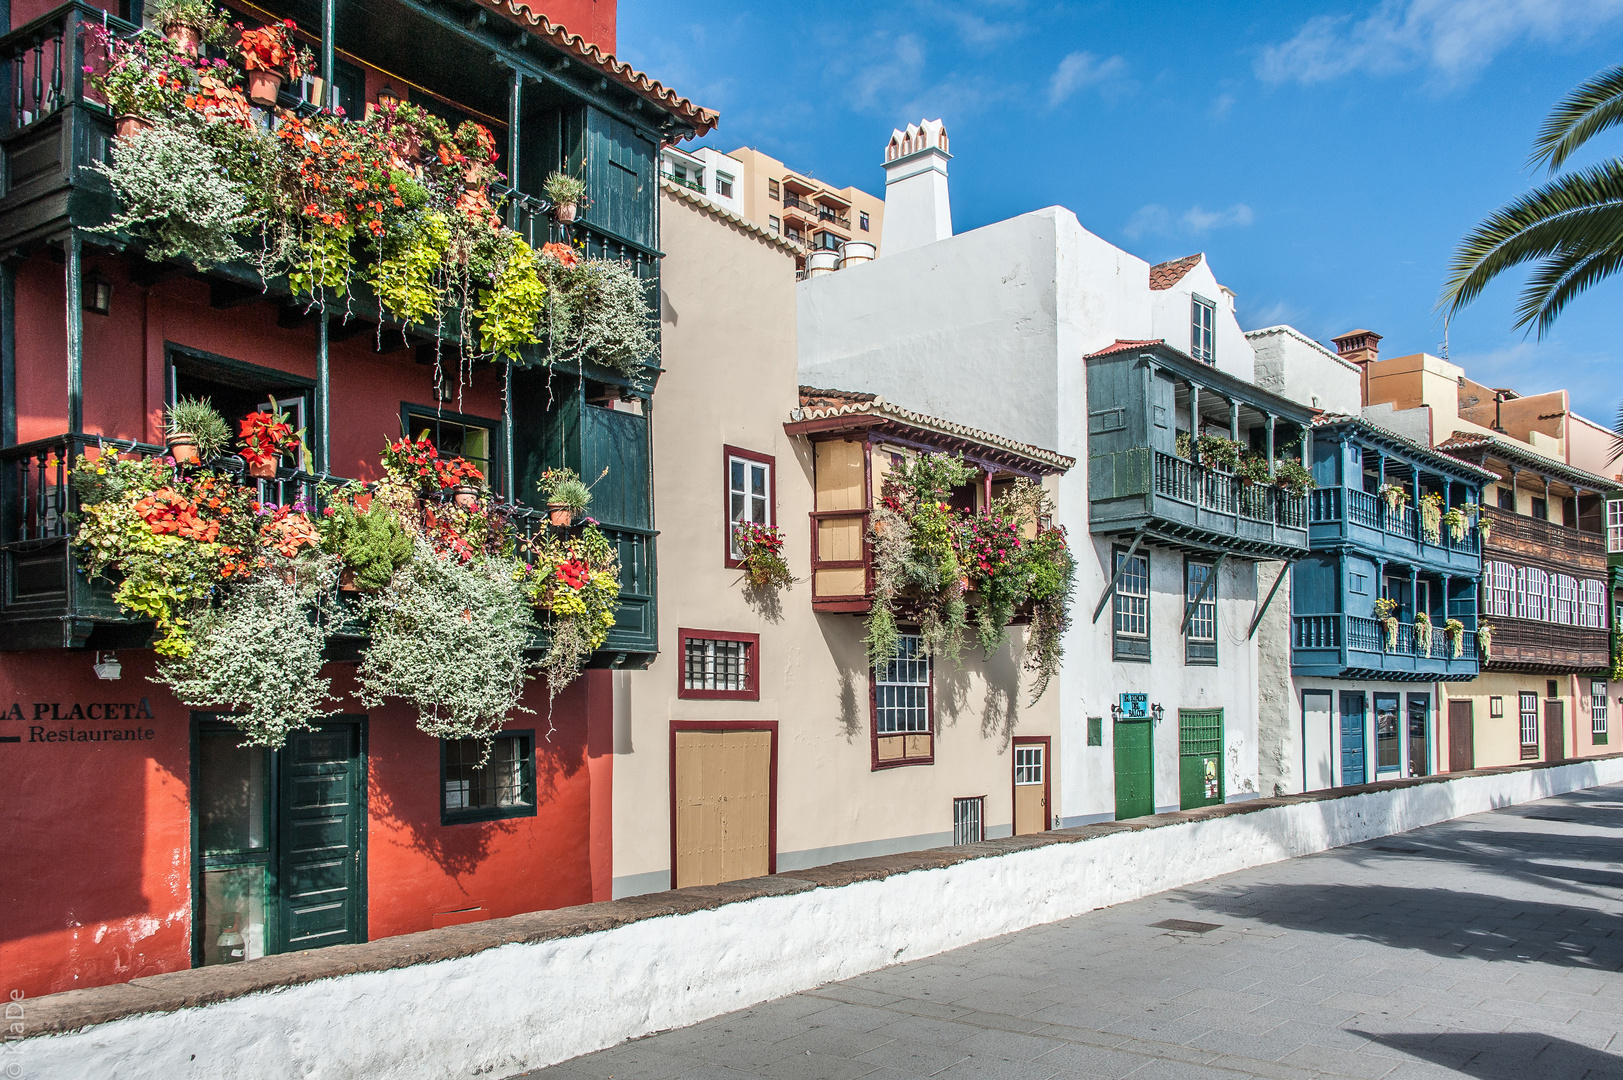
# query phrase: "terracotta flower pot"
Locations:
[[127, 125], [186, 37], [566, 212], [183, 448], [346, 581], [465, 495], [560, 514], [263, 86], [263, 470]]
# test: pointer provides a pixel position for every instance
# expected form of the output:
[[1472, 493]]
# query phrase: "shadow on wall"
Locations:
[[1501, 1054], [842, 637], [1000, 708]]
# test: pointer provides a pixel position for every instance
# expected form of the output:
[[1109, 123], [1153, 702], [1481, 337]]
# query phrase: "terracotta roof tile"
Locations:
[[1124, 345], [1331, 420], [688, 195], [1526, 455], [649, 89], [1167, 274], [818, 404]]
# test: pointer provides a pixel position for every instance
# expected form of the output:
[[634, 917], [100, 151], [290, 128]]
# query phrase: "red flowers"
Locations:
[[168, 511], [563, 253], [458, 472], [574, 573], [266, 436]]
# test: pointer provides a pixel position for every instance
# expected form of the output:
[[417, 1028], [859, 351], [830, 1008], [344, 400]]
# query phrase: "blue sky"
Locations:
[[1326, 156]]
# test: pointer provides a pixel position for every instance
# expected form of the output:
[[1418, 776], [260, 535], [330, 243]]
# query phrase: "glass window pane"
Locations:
[[737, 475], [758, 480], [233, 914], [231, 794]]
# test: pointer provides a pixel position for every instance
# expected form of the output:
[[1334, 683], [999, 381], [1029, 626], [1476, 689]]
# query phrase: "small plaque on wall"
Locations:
[[1135, 706]]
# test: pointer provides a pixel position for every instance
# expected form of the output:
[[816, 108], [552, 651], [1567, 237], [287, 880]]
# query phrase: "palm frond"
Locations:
[[1579, 212], [1559, 278], [1589, 109], [1617, 437]]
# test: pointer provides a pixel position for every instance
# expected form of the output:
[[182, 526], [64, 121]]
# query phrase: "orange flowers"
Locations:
[[563, 253], [168, 512]]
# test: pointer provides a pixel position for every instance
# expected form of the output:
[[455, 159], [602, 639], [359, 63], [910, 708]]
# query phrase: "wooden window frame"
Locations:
[[853, 602], [752, 666], [1599, 712], [480, 814], [771, 463], [1529, 750], [873, 719], [1189, 639], [1200, 328], [772, 780]]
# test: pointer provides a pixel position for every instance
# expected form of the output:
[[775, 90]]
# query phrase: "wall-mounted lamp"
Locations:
[[387, 98], [108, 667], [97, 293]]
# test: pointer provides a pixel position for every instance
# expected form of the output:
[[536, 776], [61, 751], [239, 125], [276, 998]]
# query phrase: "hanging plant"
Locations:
[[405, 279], [1292, 477], [1395, 497], [509, 312], [1484, 638], [575, 582], [1483, 527], [1184, 446], [1457, 523], [1422, 633], [1431, 518], [1454, 631], [449, 638], [175, 196], [596, 309], [999, 577], [1216, 452], [1386, 613], [760, 550], [258, 655], [915, 559], [1049, 575]]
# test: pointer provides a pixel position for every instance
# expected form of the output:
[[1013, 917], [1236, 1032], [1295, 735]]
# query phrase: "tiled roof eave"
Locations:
[[649, 89], [721, 212], [1440, 459], [1467, 441], [881, 413]]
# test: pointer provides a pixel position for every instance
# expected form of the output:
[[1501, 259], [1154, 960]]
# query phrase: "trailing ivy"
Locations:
[[509, 313], [405, 278], [916, 559]]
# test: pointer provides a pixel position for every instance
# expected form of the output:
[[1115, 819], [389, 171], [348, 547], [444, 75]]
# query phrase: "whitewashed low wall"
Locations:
[[521, 1006]]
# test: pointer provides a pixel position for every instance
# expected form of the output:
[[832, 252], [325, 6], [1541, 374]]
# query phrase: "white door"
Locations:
[[1318, 763]]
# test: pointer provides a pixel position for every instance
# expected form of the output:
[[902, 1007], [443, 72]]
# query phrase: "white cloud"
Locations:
[[1154, 219], [1221, 107], [1452, 39], [1081, 69]]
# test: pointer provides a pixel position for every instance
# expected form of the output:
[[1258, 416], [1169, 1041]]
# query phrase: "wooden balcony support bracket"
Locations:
[[1256, 620], [1206, 587], [1132, 549]]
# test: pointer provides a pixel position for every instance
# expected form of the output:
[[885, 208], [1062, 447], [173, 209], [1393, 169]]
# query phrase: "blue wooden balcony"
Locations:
[[1355, 647], [1347, 515]]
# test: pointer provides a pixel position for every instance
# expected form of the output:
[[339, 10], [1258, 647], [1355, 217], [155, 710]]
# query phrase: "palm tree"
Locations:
[[1571, 227]]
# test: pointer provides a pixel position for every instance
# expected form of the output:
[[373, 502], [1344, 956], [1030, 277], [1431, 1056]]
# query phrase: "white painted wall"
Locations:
[[1293, 365], [917, 208], [523, 1006], [1172, 319]]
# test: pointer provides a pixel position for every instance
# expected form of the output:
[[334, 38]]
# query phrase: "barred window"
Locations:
[[1132, 614], [1200, 639], [716, 664], [902, 689], [1529, 711], [479, 787], [966, 820]]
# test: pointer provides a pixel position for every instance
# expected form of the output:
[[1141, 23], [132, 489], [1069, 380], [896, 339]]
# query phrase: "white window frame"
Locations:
[[744, 506], [902, 702], [1528, 717], [1202, 328], [1597, 706], [1028, 764], [1614, 525], [1131, 606]]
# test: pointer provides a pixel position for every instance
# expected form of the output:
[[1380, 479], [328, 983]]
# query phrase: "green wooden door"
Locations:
[[322, 872], [1135, 768], [1200, 757]]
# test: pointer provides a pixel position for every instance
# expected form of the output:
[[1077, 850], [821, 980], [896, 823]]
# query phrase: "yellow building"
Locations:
[[805, 210]]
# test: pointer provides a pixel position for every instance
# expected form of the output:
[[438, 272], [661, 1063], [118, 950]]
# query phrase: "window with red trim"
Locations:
[[750, 486], [718, 665]]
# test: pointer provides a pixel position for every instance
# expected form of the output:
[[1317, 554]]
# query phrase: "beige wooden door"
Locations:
[[1030, 788], [723, 805]]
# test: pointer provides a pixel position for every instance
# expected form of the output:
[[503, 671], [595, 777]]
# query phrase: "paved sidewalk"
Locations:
[[1485, 947]]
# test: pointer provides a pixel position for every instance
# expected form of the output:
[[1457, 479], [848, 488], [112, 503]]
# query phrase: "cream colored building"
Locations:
[[750, 745]]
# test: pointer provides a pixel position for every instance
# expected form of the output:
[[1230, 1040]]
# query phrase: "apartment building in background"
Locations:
[[1544, 692]]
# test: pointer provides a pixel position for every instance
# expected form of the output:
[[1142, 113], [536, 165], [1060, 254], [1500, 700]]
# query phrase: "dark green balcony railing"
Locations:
[[1348, 646], [46, 600]]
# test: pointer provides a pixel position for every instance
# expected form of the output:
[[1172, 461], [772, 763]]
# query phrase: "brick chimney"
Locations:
[[1358, 346]]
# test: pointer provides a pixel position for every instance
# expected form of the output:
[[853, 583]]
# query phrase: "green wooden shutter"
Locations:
[[617, 441], [620, 179]]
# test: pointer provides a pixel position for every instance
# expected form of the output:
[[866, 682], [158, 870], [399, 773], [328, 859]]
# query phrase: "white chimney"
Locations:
[[916, 207]]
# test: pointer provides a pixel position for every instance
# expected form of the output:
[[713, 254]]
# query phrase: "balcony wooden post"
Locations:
[[1270, 426], [515, 91], [75, 319], [1414, 485], [323, 454], [8, 352], [1414, 596], [1234, 421], [1194, 424], [329, 89]]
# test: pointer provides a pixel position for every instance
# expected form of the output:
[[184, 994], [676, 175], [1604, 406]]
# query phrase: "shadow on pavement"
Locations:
[[1510, 1055]]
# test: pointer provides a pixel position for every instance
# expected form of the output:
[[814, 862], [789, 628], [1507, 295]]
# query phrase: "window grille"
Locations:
[[966, 820], [1202, 332], [709, 664], [902, 689], [478, 788]]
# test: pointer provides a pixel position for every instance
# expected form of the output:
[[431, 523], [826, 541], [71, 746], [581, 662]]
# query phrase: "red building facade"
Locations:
[[142, 835]]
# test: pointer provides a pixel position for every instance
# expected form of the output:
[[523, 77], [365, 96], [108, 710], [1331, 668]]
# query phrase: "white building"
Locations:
[[706, 172], [1036, 328]]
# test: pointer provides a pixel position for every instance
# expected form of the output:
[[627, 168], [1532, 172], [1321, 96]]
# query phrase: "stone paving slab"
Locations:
[[1487, 947]]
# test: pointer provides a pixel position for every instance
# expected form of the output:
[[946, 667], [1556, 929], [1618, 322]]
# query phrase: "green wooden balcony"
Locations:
[[48, 601]]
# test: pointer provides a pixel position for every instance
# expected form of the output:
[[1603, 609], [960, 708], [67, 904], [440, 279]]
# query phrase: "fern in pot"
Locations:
[[568, 195]]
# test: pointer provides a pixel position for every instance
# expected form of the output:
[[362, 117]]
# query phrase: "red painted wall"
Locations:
[[593, 20], [97, 845]]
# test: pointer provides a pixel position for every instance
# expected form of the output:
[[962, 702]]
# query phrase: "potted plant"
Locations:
[[270, 57], [566, 493], [1422, 634], [1431, 517], [1218, 453], [462, 479], [1483, 527], [1454, 631], [1484, 638], [1184, 446], [139, 80], [194, 431], [1292, 477], [568, 195], [267, 434], [1386, 613], [1252, 468], [1395, 497], [760, 548], [1457, 523], [189, 24]]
